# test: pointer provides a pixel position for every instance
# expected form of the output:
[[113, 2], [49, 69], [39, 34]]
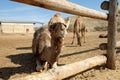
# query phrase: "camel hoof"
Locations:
[[55, 65], [39, 69], [63, 46], [79, 44], [72, 43]]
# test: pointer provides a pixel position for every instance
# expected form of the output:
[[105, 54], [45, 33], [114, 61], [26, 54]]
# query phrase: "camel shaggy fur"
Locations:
[[79, 27], [47, 45]]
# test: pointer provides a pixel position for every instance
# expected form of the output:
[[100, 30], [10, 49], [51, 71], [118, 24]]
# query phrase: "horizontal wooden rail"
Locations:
[[119, 10], [67, 7], [103, 46], [66, 70]]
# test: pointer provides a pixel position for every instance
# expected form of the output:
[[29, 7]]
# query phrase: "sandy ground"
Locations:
[[17, 58]]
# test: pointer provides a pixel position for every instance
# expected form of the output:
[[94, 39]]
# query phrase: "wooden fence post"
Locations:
[[112, 25]]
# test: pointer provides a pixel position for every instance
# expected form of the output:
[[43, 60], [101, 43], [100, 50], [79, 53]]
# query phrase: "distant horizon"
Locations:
[[15, 11]]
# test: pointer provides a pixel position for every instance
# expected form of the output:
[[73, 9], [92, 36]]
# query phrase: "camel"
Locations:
[[47, 45], [79, 27]]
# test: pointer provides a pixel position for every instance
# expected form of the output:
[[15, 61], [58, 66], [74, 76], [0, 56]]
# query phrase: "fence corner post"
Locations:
[[112, 30]]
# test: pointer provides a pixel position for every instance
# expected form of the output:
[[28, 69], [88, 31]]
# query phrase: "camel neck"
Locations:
[[55, 48], [56, 44]]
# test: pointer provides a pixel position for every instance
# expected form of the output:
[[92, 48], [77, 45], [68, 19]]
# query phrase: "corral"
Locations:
[[111, 54], [16, 57]]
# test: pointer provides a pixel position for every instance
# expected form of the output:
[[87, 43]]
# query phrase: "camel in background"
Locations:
[[79, 27]]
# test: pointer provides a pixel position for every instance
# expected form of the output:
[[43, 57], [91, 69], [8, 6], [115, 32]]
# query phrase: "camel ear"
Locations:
[[67, 23]]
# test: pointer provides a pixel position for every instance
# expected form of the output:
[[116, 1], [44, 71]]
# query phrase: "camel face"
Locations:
[[58, 30], [58, 19]]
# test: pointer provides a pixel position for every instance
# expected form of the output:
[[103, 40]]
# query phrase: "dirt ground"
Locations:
[[16, 58]]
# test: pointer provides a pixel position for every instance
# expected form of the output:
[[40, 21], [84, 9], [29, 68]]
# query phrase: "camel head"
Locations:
[[58, 30]]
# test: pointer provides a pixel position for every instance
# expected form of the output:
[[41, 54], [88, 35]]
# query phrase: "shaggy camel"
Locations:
[[79, 27], [47, 45]]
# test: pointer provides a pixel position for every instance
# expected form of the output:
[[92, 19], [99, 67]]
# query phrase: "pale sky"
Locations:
[[10, 10]]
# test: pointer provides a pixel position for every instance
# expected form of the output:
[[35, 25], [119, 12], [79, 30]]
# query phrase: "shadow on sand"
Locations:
[[26, 62], [22, 48], [76, 53]]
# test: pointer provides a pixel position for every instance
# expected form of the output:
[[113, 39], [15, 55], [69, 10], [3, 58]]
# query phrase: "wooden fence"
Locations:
[[71, 8], [66, 70], [67, 7]]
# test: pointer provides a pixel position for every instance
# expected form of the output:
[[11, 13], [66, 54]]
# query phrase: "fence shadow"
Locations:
[[118, 51], [76, 53], [22, 48], [26, 62]]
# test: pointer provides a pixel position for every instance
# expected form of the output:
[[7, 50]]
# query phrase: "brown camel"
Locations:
[[79, 27], [47, 45]]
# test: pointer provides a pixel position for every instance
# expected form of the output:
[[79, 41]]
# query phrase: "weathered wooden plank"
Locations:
[[112, 29], [103, 46], [67, 7], [119, 10], [105, 6], [66, 70]]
